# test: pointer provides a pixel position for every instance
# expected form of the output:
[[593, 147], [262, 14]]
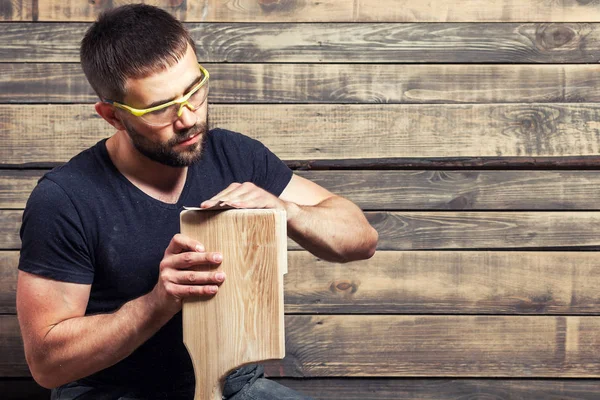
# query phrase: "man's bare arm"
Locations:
[[328, 226], [62, 344]]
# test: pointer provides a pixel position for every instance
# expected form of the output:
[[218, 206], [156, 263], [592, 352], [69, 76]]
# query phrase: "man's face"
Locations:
[[178, 144]]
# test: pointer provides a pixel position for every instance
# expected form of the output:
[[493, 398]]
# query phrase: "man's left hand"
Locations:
[[245, 195]]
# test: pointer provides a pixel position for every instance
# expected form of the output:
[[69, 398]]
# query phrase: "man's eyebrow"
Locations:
[[158, 103]]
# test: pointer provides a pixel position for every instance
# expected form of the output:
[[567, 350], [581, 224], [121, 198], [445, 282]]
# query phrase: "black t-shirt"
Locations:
[[86, 223]]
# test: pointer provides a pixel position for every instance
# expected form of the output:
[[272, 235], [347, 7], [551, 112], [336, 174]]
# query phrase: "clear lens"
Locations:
[[199, 97], [168, 115]]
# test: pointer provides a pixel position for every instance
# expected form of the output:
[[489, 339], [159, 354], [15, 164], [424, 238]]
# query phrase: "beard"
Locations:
[[165, 152]]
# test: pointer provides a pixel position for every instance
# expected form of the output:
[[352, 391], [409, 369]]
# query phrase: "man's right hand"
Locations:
[[186, 270]]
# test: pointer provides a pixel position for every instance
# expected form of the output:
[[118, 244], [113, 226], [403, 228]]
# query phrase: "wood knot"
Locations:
[[554, 36], [344, 287]]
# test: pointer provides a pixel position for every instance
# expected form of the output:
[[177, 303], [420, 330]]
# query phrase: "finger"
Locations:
[[180, 243], [184, 291], [234, 186], [198, 278], [256, 199], [191, 259], [246, 190]]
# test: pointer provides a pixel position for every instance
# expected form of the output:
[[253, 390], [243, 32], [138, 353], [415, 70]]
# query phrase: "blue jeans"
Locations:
[[246, 383]]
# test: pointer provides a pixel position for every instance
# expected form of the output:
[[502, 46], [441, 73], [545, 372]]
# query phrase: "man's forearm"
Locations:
[[78, 347], [334, 230]]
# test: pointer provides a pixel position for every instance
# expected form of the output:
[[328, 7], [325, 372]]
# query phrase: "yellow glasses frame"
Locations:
[[182, 101]]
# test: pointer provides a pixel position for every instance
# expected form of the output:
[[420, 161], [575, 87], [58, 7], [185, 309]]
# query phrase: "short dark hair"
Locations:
[[132, 41]]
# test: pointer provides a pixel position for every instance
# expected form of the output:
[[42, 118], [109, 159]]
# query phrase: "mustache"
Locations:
[[186, 134]]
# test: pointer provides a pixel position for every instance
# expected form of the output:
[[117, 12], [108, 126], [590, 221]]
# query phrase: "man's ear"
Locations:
[[107, 112]]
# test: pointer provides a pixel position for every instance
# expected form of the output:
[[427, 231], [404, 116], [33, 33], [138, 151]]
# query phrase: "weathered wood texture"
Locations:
[[414, 230], [335, 83], [440, 346], [415, 190], [54, 134], [322, 11], [359, 85], [436, 282], [444, 346], [12, 361], [341, 43]]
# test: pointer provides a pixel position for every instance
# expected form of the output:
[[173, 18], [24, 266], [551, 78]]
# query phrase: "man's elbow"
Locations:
[[372, 237], [42, 373], [363, 250]]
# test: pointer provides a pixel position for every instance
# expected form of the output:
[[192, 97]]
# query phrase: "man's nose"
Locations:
[[186, 115]]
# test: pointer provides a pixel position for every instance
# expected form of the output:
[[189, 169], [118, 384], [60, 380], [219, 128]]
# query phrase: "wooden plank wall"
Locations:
[[469, 132]]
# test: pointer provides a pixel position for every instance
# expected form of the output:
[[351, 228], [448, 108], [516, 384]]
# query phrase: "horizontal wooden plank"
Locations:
[[421, 282], [567, 230], [446, 282], [433, 163], [462, 190], [385, 345], [481, 346], [55, 133], [16, 186], [444, 389], [486, 230], [323, 10], [414, 190], [9, 261], [335, 83], [12, 359], [340, 43]]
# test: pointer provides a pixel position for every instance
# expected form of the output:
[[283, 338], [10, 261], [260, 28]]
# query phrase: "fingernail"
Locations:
[[217, 257], [220, 276], [200, 248], [212, 289]]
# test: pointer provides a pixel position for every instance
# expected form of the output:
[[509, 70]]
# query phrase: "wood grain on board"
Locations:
[[243, 323], [321, 11], [415, 189], [336, 83], [339, 43], [421, 282], [42, 134], [444, 230], [412, 346]]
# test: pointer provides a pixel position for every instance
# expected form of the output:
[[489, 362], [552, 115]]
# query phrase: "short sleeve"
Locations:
[[52, 237], [270, 173]]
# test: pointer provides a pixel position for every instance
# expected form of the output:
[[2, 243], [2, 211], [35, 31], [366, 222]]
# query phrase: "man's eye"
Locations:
[[159, 112]]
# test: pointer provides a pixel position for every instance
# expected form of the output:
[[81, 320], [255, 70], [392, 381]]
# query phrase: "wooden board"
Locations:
[[421, 282], [412, 346], [415, 190], [243, 323], [335, 83], [41, 134], [448, 346], [413, 230], [323, 10], [446, 282], [12, 361], [487, 230], [324, 43]]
